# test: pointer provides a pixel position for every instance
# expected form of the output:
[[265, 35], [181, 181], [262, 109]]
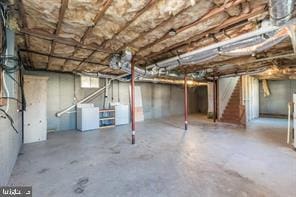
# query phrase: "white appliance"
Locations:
[[122, 113], [87, 117]]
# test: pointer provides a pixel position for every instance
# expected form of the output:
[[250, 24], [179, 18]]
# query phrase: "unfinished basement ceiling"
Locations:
[[81, 35]]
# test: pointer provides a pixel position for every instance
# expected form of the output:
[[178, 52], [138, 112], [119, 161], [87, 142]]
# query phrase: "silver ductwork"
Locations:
[[280, 11], [280, 36], [247, 44]]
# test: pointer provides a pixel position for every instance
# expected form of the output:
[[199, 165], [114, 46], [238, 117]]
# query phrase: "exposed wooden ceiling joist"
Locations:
[[225, 24], [213, 12], [149, 4], [96, 20], [64, 5], [145, 33], [24, 24], [59, 57], [66, 41]]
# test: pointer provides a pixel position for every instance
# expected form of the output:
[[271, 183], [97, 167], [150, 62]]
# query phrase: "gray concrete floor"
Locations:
[[207, 160]]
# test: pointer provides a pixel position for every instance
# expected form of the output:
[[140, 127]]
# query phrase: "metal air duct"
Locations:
[[280, 11]]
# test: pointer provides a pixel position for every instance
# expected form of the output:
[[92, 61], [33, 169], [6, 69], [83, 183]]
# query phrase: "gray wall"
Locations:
[[201, 100], [10, 141], [159, 100], [281, 93], [63, 91]]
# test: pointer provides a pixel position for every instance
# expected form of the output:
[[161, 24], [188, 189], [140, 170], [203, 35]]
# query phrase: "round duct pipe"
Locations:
[[280, 11]]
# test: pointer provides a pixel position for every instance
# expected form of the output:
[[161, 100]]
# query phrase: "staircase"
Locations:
[[234, 111]]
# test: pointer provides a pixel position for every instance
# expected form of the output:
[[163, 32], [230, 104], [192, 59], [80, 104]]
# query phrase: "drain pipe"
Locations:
[[59, 114], [280, 11], [99, 91]]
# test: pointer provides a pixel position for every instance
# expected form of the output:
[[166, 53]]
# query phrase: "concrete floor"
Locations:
[[207, 160]]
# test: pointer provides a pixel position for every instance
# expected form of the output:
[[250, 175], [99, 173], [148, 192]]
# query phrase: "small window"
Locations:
[[89, 82]]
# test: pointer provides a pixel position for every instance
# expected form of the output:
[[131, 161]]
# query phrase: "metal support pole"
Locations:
[[185, 103], [133, 102], [215, 100]]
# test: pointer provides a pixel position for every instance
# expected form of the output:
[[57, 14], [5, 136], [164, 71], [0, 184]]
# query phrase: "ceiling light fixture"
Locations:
[[172, 32]]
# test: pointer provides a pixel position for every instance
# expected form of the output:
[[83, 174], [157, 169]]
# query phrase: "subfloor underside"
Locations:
[[207, 160]]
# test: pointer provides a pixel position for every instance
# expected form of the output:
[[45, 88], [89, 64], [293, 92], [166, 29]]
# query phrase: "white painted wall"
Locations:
[[226, 87], [210, 98]]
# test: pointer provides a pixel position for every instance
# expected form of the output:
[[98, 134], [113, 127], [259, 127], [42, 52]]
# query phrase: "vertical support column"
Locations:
[[215, 100], [133, 102], [106, 96], [185, 103]]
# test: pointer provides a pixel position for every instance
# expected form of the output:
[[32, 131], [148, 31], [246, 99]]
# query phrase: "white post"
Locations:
[[294, 119], [289, 124]]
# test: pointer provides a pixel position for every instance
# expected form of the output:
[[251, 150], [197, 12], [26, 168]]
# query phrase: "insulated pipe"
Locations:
[[280, 11], [185, 103], [133, 102], [268, 43]]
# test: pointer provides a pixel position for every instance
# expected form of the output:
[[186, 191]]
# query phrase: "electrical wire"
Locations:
[[17, 65], [11, 98], [6, 90], [9, 118]]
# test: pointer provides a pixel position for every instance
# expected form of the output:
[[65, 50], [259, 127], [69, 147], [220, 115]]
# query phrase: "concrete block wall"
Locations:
[[159, 100], [281, 93], [10, 141]]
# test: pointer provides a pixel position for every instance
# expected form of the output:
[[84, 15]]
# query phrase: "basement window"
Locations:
[[89, 82]]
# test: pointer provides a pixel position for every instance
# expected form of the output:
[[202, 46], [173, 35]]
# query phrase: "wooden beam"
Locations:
[[146, 7], [204, 18], [225, 24], [145, 33], [23, 18], [96, 20], [193, 40], [59, 57], [64, 6], [66, 41], [84, 60]]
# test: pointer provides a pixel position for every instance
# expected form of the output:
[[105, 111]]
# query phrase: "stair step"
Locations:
[[231, 112], [230, 121], [235, 117], [232, 107]]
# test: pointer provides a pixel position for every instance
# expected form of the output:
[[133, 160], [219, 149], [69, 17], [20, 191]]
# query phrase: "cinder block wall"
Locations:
[[159, 100], [281, 93], [10, 141]]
